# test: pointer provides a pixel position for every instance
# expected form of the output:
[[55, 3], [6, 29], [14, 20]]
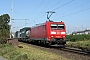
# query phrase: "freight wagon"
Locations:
[[17, 34], [23, 34]]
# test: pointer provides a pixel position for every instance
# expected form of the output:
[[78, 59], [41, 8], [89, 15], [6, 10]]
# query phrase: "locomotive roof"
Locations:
[[40, 24]]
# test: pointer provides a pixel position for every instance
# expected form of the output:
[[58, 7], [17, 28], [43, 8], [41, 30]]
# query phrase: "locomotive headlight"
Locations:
[[52, 36], [63, 36], [53, 32], [63, 33]]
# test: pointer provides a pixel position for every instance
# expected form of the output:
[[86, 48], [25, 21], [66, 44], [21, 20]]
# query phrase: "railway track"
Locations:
[[73, 50], [76, 50], [70, 53]]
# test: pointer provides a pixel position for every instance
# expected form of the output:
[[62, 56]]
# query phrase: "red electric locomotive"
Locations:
[[49, 33]]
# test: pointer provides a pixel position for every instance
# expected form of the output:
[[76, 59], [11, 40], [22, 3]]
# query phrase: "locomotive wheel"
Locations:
[[48, 45], [64, 46]]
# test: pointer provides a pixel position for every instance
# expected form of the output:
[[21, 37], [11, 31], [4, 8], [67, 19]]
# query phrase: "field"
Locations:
[[79, 44], [24, 52], [79, 41]]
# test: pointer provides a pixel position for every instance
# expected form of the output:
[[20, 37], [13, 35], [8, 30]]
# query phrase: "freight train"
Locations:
[[48, 33]]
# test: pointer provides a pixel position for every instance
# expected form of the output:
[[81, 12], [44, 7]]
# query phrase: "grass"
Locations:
[[26, 53], [37, 54], [8, 51], [79, 44]]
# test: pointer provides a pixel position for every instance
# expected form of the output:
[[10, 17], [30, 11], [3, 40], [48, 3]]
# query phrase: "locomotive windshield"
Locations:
[[57, 26]]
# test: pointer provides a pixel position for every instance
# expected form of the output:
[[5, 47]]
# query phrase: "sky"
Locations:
[[75, 13]]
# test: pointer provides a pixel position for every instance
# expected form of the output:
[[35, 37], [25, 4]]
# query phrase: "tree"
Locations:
[[4, 27]]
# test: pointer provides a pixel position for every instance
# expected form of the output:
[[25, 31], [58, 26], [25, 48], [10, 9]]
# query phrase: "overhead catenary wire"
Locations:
[[74, 13], [49, 8], [45, 11], [63, 5], [76, 7], [12, 10], [18, 14], [54, 9], [46, 6], [37, 7], [42, 10], [55, 4], [32, 12], [15, 18]]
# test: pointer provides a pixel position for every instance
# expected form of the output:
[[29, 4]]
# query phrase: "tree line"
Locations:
[[4, 28]]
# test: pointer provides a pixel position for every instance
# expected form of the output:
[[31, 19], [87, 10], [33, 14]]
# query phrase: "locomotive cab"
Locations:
[[57, 33]]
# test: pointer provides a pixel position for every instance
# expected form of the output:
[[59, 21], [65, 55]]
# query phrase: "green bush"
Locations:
[[74, 38], [3, 40]]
